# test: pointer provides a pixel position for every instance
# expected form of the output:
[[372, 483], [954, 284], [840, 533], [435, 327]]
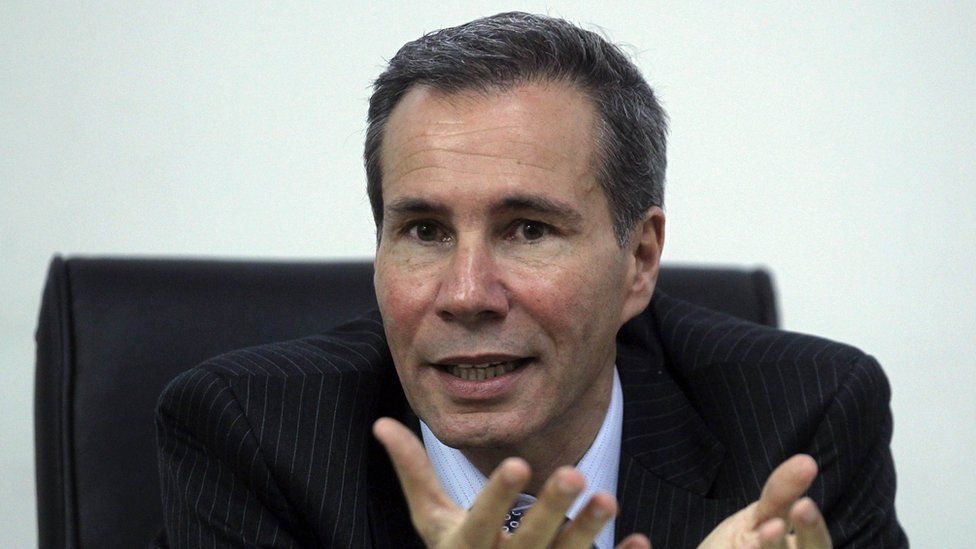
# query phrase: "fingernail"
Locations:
[[808, 516], [566, 486], [508, 476], [508, 472], [600, 513]]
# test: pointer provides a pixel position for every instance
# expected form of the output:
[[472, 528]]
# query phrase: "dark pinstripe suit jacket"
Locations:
[[271, 446]]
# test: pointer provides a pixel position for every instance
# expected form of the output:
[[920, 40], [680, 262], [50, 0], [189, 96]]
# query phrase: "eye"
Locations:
[[530, 230], [427, 231]]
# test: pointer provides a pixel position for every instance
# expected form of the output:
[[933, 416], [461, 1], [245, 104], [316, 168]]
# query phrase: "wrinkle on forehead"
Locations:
[[452, 159], [430, 128], [440, 170]]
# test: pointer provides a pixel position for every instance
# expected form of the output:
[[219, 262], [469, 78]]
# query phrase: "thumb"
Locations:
[[785, 485]]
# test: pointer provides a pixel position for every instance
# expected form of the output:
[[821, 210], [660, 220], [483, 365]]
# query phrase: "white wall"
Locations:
[[832, 143]]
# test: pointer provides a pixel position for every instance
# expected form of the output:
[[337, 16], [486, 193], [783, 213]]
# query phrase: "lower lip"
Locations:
[[481, 389]]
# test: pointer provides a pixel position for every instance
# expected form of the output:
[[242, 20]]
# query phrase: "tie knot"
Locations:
[[514, 516], [512, 520]]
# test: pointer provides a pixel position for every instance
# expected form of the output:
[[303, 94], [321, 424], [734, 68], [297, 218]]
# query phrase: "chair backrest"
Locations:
[[113, 332]]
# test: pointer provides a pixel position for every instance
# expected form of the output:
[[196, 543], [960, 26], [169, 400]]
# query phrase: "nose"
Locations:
[[471, 290]]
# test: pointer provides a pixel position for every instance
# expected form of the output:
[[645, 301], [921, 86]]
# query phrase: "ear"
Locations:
[[644, 260]]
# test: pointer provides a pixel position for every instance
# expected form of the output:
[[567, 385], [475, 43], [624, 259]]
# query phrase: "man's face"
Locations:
[[498, 275]]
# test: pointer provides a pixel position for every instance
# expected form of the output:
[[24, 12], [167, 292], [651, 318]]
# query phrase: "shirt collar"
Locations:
[[462, 480]]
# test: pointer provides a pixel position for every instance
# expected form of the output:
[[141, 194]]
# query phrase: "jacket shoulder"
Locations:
[[259, 423], [698, 339], [352, 359], [737, 372], [358, 346]]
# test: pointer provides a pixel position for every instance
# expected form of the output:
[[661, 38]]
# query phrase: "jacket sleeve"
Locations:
[[217, 490], [856, 484]]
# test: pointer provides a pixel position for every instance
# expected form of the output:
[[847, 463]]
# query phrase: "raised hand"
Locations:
[[767, 522], [441, 523]]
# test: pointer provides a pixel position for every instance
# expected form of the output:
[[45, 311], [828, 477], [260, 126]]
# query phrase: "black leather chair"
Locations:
[[112, 332]]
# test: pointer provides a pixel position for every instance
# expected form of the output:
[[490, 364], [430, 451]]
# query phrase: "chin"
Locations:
[[472, 434]]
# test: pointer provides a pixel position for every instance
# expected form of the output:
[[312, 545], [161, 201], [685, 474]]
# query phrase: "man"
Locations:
[[515, 168]]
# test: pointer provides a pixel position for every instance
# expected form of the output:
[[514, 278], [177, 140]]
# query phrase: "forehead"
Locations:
[[534, 136]]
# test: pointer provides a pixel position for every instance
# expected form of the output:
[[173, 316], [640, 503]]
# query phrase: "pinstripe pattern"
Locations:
[[270, 446], [265, 446], [713, 404]]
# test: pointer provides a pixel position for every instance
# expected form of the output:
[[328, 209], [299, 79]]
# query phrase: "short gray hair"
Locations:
[[505, 50]]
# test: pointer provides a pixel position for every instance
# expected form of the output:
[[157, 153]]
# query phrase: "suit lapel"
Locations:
[[662, 430], [388, 514], [669, 458]]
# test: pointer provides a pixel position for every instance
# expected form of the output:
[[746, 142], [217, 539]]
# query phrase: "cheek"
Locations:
[[401, 296], [571, 303], [567, 302]]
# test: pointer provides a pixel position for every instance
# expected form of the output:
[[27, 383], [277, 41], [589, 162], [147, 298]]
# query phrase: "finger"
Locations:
[[417, 477], [809, 525], [548, 513], [584, 528], [494, 500], [635, 541], [784, 486], [772, 534]]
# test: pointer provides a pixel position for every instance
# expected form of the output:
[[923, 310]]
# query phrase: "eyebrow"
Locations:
[[540, 204], [516, 202], [415, 206]]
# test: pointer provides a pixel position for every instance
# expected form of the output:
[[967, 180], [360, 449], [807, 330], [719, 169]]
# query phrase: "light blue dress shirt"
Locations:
[[599, 465]]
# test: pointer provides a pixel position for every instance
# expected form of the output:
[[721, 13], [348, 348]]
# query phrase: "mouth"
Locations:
[[484, 370]]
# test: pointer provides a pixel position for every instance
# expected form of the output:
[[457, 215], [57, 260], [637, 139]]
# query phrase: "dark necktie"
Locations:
[[514, 518]]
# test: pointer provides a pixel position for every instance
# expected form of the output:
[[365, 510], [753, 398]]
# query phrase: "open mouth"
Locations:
[[480, 372]]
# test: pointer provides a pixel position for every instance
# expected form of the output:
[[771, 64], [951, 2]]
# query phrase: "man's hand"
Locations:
[[781, 507], [765, 523], [442, 524]]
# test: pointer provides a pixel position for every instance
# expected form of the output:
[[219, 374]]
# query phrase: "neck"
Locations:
[[565, 443]]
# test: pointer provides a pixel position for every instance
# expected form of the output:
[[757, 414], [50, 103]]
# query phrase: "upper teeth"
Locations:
[[482, 371]]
